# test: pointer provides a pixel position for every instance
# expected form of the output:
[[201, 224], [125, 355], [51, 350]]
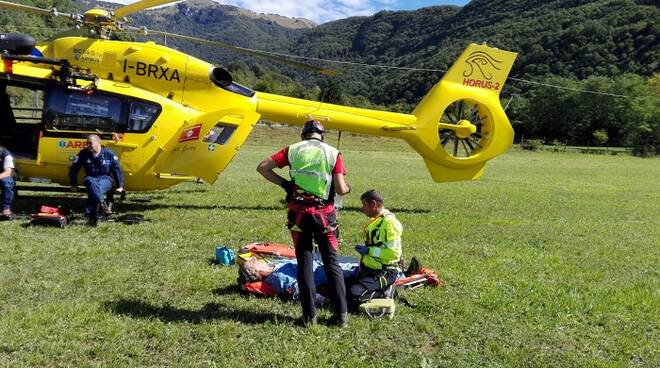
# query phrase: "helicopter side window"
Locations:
[[83, 112], [220, 133], [142, 116]]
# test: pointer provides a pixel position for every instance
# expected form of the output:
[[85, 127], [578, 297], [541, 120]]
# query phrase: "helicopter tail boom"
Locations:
[[457, 127]]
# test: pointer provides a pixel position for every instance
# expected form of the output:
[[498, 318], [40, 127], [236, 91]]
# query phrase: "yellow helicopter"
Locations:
[[171, 117]]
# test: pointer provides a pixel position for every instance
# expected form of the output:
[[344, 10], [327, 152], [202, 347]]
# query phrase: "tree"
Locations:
[[331, 92]]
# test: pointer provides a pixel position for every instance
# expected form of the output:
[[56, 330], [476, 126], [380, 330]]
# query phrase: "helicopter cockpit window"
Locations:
[[220, 133], [87, 112], [142, 116]]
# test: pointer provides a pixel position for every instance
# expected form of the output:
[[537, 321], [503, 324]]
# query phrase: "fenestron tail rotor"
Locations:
[[463, 128]]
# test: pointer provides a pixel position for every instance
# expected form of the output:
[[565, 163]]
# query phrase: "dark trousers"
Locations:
[[308, 225], [96, 186], [7, 190], [369, 284]]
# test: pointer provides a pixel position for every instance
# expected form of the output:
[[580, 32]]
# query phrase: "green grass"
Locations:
[[551, 259]]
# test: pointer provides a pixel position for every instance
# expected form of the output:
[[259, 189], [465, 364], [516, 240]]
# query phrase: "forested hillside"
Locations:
[[608, 46]]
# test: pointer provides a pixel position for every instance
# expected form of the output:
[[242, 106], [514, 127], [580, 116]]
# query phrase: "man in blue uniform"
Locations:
[[98, 163], [6, 181]]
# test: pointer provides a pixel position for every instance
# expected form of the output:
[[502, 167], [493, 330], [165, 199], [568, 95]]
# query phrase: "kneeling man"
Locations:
[[381, 253]]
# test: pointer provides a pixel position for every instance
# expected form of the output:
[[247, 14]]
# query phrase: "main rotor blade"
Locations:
[[140, 5], [261, 54], [20, 7], [73, 32]]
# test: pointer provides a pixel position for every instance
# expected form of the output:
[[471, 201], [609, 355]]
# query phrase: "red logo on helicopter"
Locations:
[[484, 66], [481, 83], [482, 63], [190, 133]]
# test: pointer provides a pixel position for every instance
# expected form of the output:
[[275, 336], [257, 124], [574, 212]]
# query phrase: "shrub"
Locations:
[[600, 137], [558, 146], [644, 141], [532, 145]]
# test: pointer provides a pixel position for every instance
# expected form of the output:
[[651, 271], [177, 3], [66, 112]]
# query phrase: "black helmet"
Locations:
[[313, 126]]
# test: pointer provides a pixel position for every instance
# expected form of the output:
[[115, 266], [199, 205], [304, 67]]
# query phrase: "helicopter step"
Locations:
[[60, 189]]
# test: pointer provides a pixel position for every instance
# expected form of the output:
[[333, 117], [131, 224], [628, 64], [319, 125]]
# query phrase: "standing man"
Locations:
[[6, 181], [98, 162], [379, 264], [317, 174]]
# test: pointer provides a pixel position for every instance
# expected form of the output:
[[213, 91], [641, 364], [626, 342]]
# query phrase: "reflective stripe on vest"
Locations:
[[384, 247], [311, 163]]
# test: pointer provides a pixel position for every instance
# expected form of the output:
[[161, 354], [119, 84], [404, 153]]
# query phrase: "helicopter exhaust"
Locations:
[[220, 77], [457, 127]]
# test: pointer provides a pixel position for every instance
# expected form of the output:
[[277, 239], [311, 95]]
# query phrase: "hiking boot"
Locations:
[[106, 208], [306, 321], [92, 221], [339, 320], [413, 268]]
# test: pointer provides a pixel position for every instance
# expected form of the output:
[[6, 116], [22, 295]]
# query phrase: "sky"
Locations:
[[321, 11]]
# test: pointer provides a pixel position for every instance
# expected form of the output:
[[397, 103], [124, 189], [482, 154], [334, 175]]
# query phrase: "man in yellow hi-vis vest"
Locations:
[[379, 264], [317, 173]]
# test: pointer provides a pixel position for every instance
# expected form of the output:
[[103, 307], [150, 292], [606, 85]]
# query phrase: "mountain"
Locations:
[[224, 11], [606, 45], [566, 38]]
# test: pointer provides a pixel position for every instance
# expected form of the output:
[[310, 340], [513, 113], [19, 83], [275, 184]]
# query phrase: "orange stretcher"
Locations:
[[267, 250]]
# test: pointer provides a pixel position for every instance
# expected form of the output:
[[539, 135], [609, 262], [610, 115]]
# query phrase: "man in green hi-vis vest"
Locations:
[[317, 174], [381, 252]]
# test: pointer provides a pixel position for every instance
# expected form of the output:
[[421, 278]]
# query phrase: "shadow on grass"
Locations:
[[211, 311], [31, 204], [227, 290], [395, 210]]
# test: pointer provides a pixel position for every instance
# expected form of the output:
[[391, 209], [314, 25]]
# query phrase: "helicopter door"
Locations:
[[205, 146]]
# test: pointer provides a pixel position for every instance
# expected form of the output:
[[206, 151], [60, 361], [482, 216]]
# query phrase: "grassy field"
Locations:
[[551, 259]]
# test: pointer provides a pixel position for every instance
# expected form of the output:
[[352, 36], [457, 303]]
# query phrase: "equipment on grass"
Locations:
[[379, 308], [268, 250], [224, 255], [51, 216]]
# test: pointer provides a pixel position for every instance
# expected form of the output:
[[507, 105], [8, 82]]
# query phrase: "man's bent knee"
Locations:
[[357, 290], [7, 182]]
